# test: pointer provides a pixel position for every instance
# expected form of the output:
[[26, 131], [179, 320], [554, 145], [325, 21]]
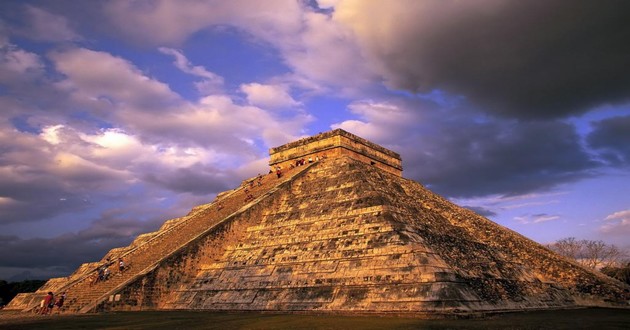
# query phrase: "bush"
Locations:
[[620, 273]]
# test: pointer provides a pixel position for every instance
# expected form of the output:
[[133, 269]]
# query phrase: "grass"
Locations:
[[592, 318]]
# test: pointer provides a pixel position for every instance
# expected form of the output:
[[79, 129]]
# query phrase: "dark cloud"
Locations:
[[461, 153], [61, 255], [472, 159], [526, 59], [197, 180], [611, 137], [37, 184], [481, 211]]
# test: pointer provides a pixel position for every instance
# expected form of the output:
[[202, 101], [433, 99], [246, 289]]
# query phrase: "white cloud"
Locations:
[[326, 52], [210, 84], [118, 92], [101, 80], [314, 45], [535, 218], [327, 3], [18, 65], [182, 63], [621, 215], [385, 122], [545, 218], [268, 96], [618, 224], [217, 123], [50, 134], [72, 167]]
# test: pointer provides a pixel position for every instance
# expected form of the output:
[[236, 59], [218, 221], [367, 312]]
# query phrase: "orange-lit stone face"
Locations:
[[335, 144]]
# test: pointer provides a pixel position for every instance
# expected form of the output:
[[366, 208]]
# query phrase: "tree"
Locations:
[[589, 253], [10, 290], [620, 273], [568, 247]]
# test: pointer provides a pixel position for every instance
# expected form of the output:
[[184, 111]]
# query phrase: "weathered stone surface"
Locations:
[[335, 144], [338, 235]]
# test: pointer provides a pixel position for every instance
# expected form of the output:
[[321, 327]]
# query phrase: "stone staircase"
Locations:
[[83, 295]]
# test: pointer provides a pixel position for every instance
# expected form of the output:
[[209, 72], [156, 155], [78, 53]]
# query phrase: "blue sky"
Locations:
[[118, 115]]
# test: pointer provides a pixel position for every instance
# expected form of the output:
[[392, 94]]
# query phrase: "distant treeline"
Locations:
[[8, 290]]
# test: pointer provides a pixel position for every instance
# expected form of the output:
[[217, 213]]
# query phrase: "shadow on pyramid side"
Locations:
[[343, 234]]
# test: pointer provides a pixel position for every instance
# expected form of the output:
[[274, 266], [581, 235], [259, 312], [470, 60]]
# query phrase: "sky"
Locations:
[[118, 115]]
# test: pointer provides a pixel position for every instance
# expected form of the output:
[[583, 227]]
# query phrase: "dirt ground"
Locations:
[[592, 318]]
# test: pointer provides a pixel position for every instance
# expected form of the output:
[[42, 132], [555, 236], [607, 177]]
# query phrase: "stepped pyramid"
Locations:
[[345, 233]]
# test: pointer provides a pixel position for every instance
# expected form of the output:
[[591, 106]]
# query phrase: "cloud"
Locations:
[[268, 96], [502, 158], [316, 48], [621, 215], [536, 218], [327, 52], [525, 59], [198, 179], [18, 65], [617, 224], [481, 211], [36, 174], [211, 82], [117, 91], [99, 79], [384, 121], [164, 22], [50, 174], [462, 155], [62, 254], [45, 26], [611, 137], [132, 131], [493, 205], [327, 3]]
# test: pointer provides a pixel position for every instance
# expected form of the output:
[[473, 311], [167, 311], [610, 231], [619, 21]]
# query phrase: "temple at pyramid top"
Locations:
[[334, 144]]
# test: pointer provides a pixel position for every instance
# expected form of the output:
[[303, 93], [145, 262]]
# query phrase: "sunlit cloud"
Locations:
[[268, 96], [617, 223], [535, 218]]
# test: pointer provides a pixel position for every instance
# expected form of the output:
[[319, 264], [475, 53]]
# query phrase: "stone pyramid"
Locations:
[[345, 233]]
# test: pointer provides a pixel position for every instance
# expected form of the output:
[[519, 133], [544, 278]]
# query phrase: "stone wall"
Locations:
[[334, 144]]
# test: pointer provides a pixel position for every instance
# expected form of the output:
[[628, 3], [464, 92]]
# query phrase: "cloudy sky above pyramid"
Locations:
[[118, 115]]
